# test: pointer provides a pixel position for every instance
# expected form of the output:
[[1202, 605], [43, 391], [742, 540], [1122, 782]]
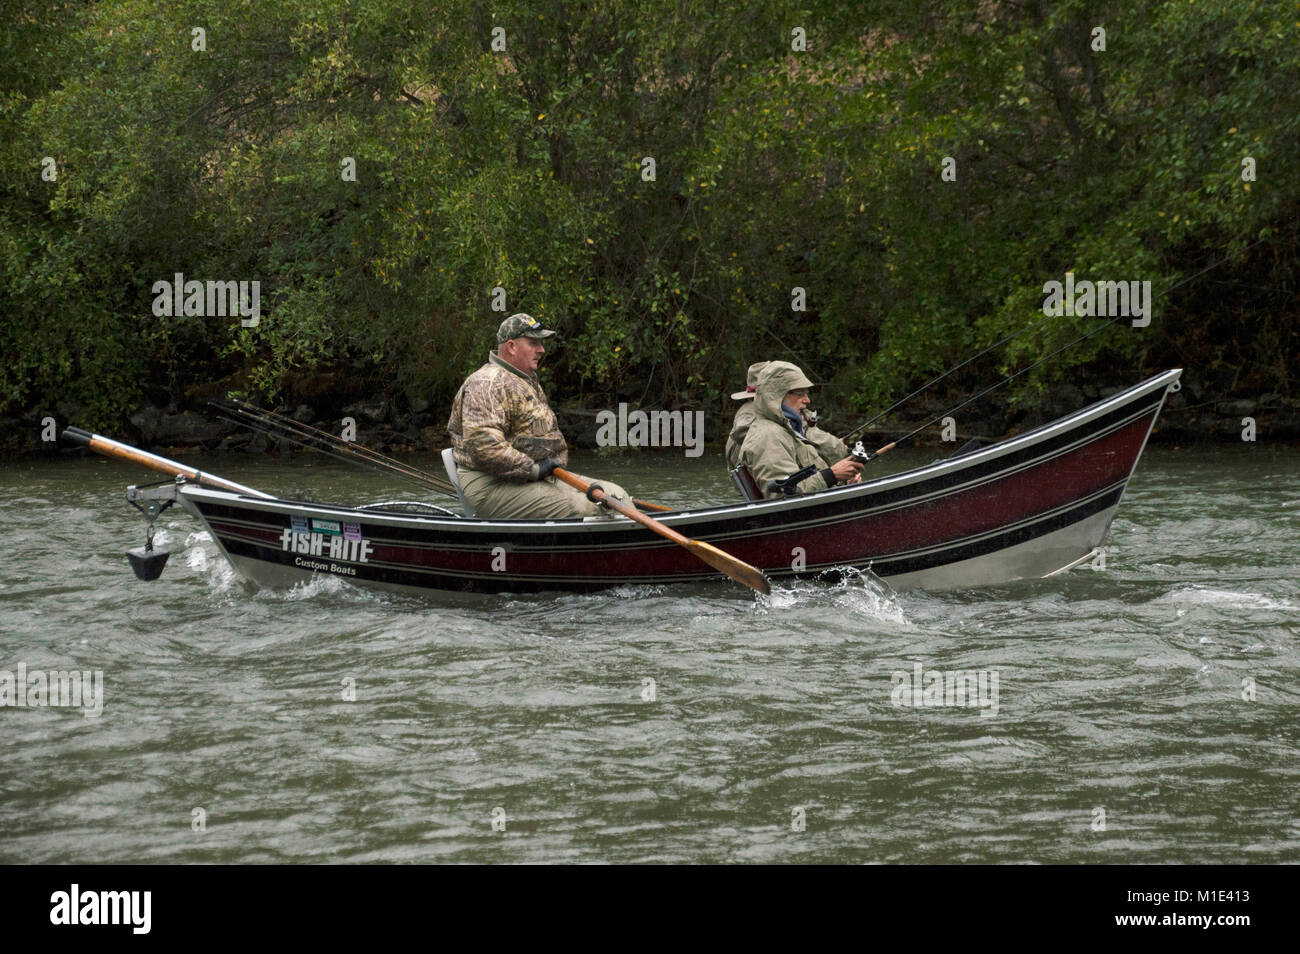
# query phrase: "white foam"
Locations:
[[1197, 594], [860, 592], [203, 557]]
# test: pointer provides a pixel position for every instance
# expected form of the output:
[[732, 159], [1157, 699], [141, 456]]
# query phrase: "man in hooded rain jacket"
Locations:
[[777, 444]]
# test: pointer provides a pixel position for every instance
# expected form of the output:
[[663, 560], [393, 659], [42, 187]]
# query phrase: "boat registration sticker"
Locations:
[[327, 526], [351, 531], [300, 525]]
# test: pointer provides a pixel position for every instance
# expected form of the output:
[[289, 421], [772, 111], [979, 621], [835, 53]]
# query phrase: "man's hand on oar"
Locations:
[[738, 570], [547, 465]]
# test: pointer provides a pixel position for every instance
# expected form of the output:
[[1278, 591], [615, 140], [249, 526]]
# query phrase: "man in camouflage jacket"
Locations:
[[505, 439]]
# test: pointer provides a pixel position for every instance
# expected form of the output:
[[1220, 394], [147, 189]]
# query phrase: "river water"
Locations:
[[1146, 712]]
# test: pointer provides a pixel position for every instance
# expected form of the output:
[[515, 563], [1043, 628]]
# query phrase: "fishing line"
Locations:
[[1009, 378], [997, 344], [1015, 334]]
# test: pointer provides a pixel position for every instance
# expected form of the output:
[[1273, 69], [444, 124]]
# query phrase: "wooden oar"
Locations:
[[111, 448], [738, 570], [646, 505]]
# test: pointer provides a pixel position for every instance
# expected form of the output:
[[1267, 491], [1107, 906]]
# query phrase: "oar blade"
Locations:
[[738, 570]]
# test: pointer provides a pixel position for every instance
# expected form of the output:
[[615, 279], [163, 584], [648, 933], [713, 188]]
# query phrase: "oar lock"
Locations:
[[151, 500]]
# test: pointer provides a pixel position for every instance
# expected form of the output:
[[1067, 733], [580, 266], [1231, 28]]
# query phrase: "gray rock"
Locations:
[[148, 421], [234, 442], [187, 428], [70, 411], [372, 411], [1236, 408], [1064, 399]]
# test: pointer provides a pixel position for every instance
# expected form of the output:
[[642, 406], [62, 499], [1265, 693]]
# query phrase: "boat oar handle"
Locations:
[[111, 448], [78, 436]]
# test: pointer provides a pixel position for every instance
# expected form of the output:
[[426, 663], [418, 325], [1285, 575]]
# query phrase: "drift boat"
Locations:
[[1025, 507]]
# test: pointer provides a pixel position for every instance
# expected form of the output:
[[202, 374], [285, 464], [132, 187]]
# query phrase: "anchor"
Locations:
[[147, 562]]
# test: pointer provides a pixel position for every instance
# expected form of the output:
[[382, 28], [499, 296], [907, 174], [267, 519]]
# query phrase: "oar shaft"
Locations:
[[111, 448], [720, 560]]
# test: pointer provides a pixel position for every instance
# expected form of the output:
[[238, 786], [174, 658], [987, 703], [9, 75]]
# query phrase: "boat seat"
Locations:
[[449, 462], [746, 483]]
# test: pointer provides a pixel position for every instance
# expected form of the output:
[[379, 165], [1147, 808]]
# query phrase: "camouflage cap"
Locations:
[[520, 325], [751, 382]]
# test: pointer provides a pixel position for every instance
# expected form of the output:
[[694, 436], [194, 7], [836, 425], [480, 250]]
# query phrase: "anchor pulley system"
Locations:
[[151, 500]]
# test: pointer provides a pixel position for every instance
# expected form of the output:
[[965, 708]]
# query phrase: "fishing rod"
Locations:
[[312, 439], [304, 435], [338, 442], [897, 404], [337, 448], [998, 344], [863, 456], [283, 434]]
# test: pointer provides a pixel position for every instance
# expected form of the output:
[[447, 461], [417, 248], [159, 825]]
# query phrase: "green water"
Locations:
[[771, 733]]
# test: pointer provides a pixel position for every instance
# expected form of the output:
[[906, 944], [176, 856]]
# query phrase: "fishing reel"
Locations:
[[151, 500], [789, 485], [864, 456]]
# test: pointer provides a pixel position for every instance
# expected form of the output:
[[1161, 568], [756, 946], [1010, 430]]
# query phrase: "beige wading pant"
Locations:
[[548, 499]]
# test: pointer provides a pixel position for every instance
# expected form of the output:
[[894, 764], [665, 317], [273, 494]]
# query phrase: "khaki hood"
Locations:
[[774, 382]]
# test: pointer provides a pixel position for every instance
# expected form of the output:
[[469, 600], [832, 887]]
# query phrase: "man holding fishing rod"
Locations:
[[828, 445], [505, 439], [777, 445]]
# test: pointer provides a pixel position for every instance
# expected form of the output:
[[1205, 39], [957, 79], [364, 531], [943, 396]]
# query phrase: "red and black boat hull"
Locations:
[[1025, 507]]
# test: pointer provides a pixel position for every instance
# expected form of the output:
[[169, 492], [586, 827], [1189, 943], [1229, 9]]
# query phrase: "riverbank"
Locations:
[[1199, 411]]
